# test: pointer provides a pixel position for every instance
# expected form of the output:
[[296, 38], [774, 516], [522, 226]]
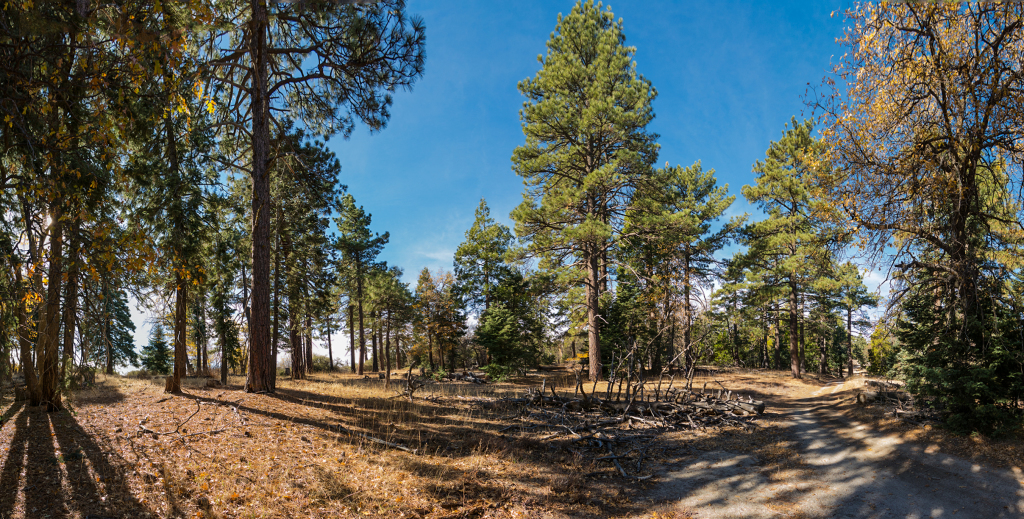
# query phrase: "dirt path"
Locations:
[[840, 468]]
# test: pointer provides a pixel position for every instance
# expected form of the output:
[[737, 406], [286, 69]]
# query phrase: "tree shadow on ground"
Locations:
[[419, 429], [827, 466], [54, 468]]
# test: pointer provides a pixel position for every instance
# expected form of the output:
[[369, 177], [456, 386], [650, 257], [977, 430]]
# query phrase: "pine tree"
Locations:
[[785, 249], [512, 329], [853, 296], [480, 260], [156, 356], [359, 248], [587, 150], [675, 242], [280, 67]]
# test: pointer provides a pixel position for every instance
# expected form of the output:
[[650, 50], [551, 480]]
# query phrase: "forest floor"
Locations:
[[126, 449], [838, 459]]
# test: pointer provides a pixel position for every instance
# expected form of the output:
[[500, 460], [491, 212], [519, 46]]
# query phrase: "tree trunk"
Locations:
[[259, 341], [223, 361], [778, 335], [28, 365], [308, 363], [794, 346], [362, 323], [387, 353], [764, 343], [430, 349], [71, 299], [822, 358], [309, 342], [298, 372], [352, 335], [592, 295], [803, 345], [661, 346], [5, 357], [330, 352], [48, 341], [687, 316], [307, 307], [205, 336], [373, 339], [276, 337], [398, 351], [106, 327], [440, 355], [246, 310], [180, 353], [849, 342]]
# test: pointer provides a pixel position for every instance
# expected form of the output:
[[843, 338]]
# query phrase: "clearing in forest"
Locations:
[[342, 446]]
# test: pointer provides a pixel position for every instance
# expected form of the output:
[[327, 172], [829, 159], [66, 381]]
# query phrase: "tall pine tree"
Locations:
[[783, 249], [587, 149]]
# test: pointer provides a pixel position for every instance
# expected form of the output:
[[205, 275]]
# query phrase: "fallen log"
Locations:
[[886, 385], [866, 397], [754, 406], [469, 377]]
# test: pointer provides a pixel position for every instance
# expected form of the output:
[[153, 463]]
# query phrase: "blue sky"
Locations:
[[729, 76]]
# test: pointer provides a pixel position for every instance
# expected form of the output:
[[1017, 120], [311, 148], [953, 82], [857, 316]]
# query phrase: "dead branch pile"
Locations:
[[901, 404], [623, 430], [466, 376], [409, 386]]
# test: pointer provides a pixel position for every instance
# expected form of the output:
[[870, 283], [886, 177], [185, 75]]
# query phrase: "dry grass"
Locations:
[[125, 449], [293, 454]]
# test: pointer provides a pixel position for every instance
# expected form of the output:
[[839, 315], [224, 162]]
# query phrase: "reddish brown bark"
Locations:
[[259, 373]]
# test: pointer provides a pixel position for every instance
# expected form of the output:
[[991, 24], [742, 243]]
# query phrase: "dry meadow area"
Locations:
[[343, 446]]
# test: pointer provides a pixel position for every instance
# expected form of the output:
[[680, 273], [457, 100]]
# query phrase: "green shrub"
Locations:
[[499, 372], [321, 363]]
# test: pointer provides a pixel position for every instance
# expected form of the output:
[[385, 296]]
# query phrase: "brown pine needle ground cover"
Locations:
[[1005, 452], [126, 449]]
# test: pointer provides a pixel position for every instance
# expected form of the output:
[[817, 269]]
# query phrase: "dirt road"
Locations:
[[841, 468]]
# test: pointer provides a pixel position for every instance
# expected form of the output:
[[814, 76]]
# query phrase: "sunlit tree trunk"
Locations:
[[803, 345], [794, 346], [48, 339], [592, 295], [180, 353]]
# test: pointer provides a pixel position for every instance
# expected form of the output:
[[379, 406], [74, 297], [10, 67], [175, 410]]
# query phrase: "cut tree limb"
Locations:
[[866, 397]]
